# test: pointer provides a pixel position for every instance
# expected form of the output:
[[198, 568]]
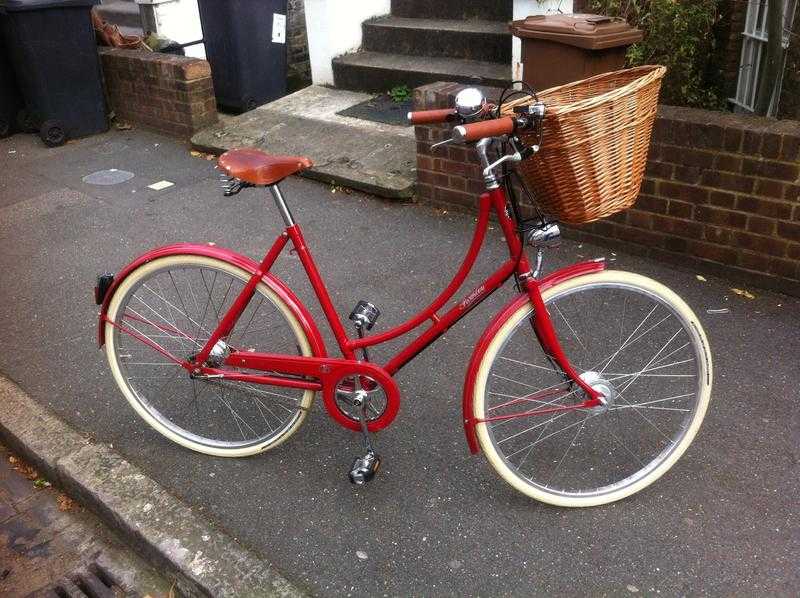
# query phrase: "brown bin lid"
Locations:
[[593, 32]]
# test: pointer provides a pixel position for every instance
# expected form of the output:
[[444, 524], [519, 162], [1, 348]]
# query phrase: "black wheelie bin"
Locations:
[[246, 45], [10, 98], [52, 48]]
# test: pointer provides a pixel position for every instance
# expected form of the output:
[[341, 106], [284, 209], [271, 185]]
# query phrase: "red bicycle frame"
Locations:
[[324, 373]]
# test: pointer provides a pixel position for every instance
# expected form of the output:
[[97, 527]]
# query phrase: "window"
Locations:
[[754, 53]]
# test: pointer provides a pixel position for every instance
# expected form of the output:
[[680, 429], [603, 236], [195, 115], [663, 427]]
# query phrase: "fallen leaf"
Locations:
[[195, 153], [632, 589], [123, 126], [41, 483], [23, 468], [743, 293], [65, 503], [700, 278], [361, 555]]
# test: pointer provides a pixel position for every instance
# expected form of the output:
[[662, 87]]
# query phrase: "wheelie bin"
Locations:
[[10, 98], [246, 46], [581, 45], [51, 46]]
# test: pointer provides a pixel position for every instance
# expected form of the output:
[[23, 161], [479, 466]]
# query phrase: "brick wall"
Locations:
[[299, 64], [722, 192], [171, 94]]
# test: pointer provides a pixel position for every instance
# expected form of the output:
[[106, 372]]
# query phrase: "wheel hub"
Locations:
[[606, 390]]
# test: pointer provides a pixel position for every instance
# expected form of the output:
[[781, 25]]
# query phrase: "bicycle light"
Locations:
[[104, 282], [544, 235]]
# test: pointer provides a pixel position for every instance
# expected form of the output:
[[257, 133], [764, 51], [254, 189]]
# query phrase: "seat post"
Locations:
[[282, 207]]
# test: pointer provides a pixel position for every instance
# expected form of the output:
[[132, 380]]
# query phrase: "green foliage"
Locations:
[[400, 93], [678, 34]]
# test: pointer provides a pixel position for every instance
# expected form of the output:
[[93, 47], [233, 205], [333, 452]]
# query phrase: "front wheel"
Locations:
[[175, 303], [634, 341]]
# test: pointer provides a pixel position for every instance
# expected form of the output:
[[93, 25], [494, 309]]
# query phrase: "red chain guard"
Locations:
[[329, 371]]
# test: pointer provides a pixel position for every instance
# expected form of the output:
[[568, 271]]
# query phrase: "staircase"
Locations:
[[423, 41], [122, 13]]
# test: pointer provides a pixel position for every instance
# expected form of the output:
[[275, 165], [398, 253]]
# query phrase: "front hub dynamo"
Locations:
[[606, 390]]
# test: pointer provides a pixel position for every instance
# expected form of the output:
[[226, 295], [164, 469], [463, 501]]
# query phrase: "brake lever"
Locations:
[[441, 143]]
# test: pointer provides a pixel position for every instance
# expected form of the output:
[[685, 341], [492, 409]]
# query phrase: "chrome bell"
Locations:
[[470, 102]]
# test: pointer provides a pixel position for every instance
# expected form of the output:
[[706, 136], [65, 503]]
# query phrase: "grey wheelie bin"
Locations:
[[52, 49]]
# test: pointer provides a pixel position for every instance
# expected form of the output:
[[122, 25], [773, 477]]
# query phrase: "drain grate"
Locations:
[[90, 581]]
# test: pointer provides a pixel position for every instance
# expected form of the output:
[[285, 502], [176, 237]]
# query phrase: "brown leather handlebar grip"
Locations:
[[488, 128], [428, 117]]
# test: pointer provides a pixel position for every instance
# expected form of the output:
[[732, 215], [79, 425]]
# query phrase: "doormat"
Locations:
[[380, 109]]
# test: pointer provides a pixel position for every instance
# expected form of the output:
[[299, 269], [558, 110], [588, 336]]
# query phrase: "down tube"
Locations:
[[489, 286]]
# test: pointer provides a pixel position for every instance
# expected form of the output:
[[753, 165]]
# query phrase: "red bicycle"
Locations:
[[585, 388]]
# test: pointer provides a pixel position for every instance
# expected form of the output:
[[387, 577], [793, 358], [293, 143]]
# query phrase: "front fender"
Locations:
[[302, 314], [494, 326]]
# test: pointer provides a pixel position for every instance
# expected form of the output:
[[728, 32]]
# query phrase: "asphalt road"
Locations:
[[436, 521]]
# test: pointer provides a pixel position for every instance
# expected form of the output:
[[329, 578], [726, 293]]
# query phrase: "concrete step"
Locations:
[[372, 157], [379, 72], [121, 13], [488, 41], [492, 10]]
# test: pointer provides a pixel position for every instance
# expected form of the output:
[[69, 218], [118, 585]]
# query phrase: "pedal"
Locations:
[[364, 468], [364, 315]]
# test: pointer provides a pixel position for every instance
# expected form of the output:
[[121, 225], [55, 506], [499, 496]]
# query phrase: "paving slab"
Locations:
[[372, 157]]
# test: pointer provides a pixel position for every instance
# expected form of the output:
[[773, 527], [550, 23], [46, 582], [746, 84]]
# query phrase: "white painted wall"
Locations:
[[334, 28], [178, 20], [525, 8]]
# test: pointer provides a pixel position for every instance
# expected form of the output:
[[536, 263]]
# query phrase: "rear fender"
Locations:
[[494, 326], [245, 263]]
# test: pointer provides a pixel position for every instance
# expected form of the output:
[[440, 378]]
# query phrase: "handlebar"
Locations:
[[487, 128], [484, 124], [428, 117]]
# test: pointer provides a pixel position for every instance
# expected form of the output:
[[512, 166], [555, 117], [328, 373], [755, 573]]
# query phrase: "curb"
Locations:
[[165, 531]]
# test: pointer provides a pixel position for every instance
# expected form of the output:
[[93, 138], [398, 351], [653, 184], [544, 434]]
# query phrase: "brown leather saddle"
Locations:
[[260, 168]]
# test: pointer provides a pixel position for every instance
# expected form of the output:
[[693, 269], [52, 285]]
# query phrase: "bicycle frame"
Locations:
[[324, 373]]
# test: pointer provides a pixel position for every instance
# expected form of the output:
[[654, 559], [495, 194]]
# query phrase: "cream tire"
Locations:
[[628, 280], [183, 261]]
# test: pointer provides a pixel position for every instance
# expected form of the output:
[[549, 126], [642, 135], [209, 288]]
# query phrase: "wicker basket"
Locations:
[[594, 149]]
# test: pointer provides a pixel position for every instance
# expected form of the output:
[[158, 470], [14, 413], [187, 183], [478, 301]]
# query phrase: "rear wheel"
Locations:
[[175, 303], [634, 341]]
